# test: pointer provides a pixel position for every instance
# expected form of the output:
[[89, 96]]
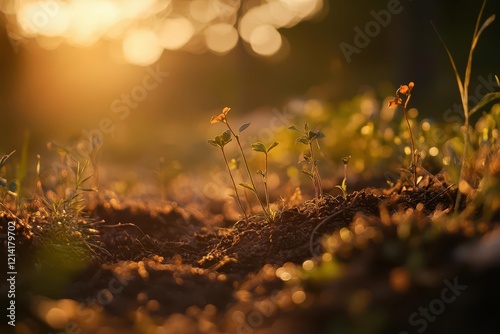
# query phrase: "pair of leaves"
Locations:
[[343, 187], [260, 147], [221, 140]]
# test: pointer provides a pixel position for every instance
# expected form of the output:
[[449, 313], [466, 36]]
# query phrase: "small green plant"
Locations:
[[343, 186], [463, 87], [74, 176], [221, 141], [222, 118], [260, 147], [308, 138], [404, 91]]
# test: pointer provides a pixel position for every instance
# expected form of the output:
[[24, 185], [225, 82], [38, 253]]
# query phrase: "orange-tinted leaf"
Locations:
[[411, 85], [226, 110], [395, 102], [217, 119], [404, 89]]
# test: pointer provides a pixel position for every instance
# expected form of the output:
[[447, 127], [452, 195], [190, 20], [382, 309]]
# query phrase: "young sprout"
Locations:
[[260, 147], [308, 137], [405, 91], [222, 118], [220, 141], [343, 187]]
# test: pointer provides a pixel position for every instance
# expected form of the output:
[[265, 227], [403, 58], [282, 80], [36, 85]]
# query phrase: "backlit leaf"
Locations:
[[244, 127], [303, 140], [273, 145], [488, 98], [246, 185], [259, 147]]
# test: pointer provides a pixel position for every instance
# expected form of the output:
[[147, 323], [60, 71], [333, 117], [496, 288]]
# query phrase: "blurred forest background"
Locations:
[[65, 65]]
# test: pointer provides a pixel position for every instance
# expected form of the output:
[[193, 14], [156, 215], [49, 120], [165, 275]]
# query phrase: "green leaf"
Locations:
[[259, 147], [213, 143], [226, 137], [315, 135], [246, 185], [244, 127], [86, 179], [488, 98], [273, 145], [303, 140]]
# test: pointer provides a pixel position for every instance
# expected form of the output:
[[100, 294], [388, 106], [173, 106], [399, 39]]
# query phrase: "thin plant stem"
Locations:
[[245, 194], [345, 178], [413, 167], [234, 184], [317, 178], [465, 104], [265, 184], [247, 168]]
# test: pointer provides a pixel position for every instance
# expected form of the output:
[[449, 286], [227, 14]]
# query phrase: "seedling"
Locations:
[[463, 87], [72, 194], [307, 138], [404, 91], [343, 187], [222, 118], [260, 147], [221, 141]]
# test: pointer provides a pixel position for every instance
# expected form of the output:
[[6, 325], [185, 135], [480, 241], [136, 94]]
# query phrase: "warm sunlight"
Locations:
[[141, 47], [200, 26], [249, 166]]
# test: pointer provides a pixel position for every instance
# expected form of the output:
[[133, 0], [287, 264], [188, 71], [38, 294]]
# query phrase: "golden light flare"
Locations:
[[175, 33], [213, 25], [265, 40], [221, 38], [141, 47]]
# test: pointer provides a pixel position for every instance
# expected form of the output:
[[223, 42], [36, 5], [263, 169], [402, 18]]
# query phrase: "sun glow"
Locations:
[[151, 25]]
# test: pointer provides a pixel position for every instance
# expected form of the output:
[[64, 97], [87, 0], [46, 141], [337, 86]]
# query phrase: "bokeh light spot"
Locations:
[[221, 37], [141, 47], [56, 318], [433, 151], [175, 33], [265, 40]]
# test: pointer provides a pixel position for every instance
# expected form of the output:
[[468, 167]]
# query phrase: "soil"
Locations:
[[329, 266]]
